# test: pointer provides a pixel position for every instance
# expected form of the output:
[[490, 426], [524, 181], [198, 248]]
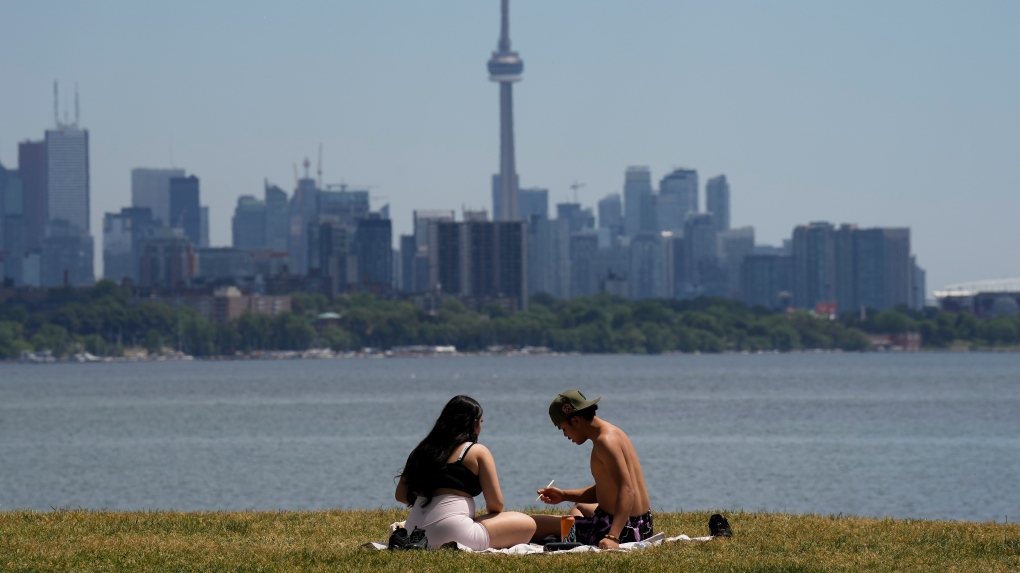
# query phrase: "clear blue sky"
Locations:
[[879, 113]]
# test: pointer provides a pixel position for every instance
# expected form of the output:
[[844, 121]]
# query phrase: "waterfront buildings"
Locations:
[[678, 197], [185, 207], [150, 188], [638, 201], [480, 262], [717, 202]]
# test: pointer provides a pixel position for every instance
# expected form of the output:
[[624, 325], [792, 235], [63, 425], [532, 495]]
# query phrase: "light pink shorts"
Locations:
[[446, 518]]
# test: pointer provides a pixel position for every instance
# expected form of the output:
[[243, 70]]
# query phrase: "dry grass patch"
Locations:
[[331, 540]]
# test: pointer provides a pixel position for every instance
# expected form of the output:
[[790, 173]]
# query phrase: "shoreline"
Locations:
[[327, 354]]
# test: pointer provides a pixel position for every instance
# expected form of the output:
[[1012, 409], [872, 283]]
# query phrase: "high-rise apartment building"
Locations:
[[548, 257], [733, 246], [814, 265], [717, 202], [638, 201], [645, 275], [150, 188], [611, 214], [702, 275], [480, 261], [678, 194], [883, 268], [534, 202]]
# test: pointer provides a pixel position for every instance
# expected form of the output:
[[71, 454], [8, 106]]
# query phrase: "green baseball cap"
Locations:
[[567, 403]]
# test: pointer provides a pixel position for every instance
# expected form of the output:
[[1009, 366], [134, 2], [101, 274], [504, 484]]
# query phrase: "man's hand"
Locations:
[[608, 544], [551, 495]]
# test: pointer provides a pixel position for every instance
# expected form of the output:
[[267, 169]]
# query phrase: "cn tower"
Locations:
[[505, 68]]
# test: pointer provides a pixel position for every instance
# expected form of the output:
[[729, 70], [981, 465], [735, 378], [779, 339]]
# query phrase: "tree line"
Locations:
[[104, 320]]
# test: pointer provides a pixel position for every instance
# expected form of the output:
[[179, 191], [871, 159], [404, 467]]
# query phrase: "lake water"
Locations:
[[933, 436]]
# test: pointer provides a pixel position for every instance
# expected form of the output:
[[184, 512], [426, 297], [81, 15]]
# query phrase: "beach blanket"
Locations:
[[532, 548]]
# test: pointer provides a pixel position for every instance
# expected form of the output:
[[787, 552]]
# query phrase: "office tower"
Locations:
[[348, 205], [505, 68], [419, 259], [611, 214], [224, 265], [332, 259], [304, 206], [611, 268], [408, 249], [638, 202], [717, 199], [373, 245], [67, 175], [276, 218], [814, 265], [66, 256], [423, 219], [734, 245], [203, 226], [584, 246], [480, 261], [32, 168], [917, 286], [548, 257], [767, 281], [12, 226], [168, 261], [668, 211], [678, 196], [248, 226], [646, 265], [124, 236], [702, 274], [882, 268], [846, 272], [533, 201], [150, 188], [185, 209], [577, 218]]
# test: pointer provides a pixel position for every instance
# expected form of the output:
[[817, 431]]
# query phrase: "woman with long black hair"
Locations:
[[443, 475]]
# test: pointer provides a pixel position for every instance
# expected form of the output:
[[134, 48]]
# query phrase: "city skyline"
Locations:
[[869, 114]]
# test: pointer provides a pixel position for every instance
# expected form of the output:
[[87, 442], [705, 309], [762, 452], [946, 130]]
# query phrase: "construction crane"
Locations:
[[319, 172], [575, 186]]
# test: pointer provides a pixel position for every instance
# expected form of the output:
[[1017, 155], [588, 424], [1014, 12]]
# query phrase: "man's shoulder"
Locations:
[[610, 436]]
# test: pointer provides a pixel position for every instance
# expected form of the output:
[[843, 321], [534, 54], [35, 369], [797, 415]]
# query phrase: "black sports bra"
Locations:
[[457, 476]]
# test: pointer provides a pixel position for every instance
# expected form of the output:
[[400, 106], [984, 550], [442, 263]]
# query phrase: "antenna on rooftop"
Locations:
[[56, 113], [76, 104]]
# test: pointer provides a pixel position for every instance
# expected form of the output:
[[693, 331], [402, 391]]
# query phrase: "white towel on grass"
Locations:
[[530, 548]]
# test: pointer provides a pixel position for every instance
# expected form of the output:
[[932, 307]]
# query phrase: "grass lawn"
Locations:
[[330, 541]]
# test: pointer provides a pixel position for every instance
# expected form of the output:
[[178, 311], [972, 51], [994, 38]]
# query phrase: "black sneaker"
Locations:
[[398, 539], [417, 539], [719, 527]]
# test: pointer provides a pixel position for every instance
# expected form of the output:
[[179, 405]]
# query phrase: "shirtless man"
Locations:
[[616, 509]]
